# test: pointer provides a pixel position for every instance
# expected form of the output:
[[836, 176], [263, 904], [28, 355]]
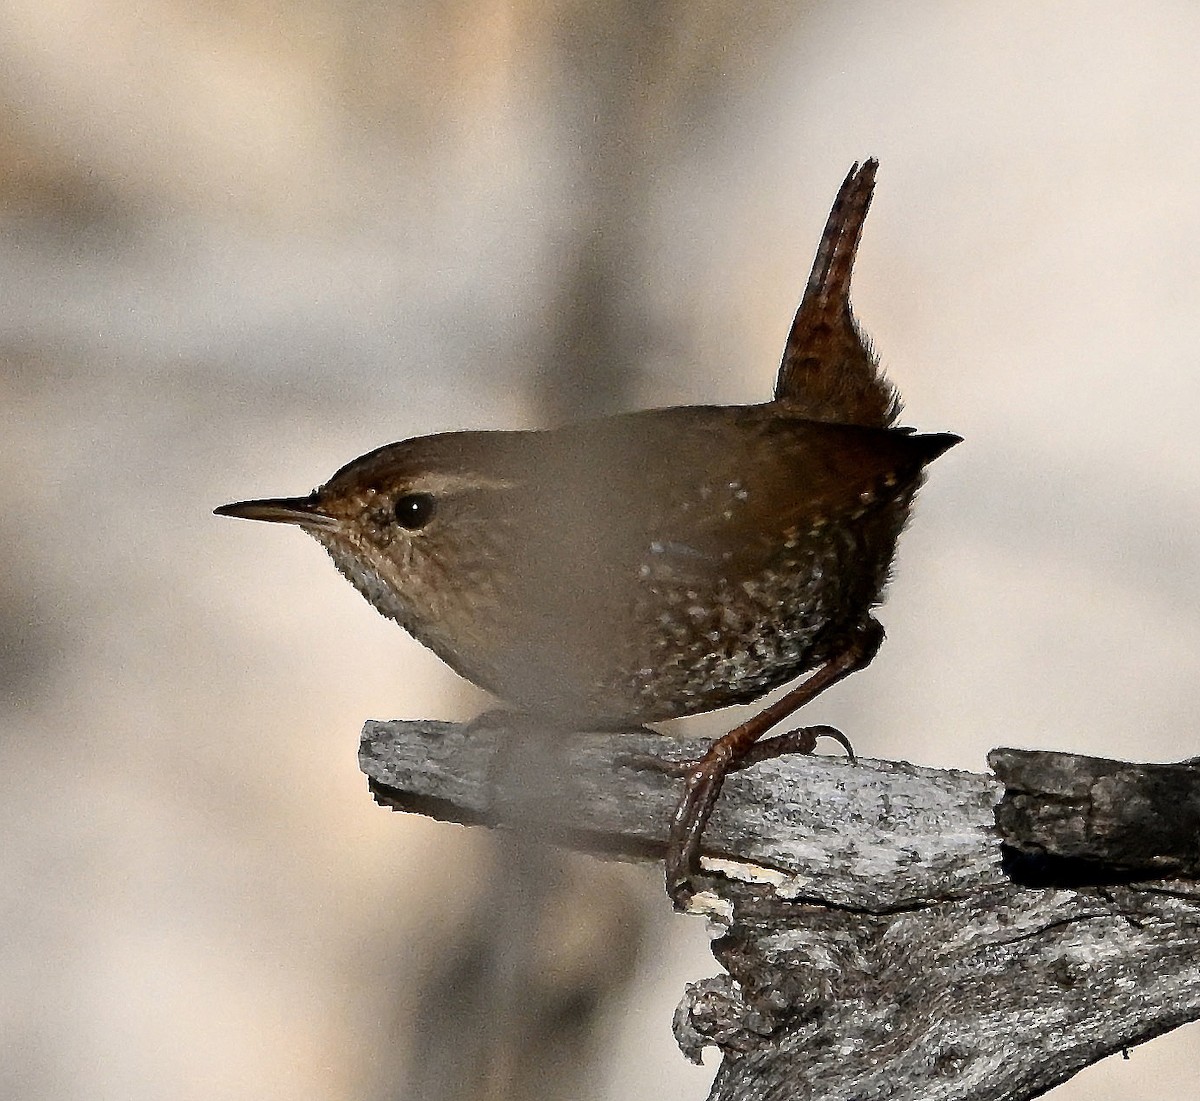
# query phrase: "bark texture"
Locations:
[[888, 931]]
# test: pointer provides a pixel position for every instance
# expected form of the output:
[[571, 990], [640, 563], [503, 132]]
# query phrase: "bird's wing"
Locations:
[[731, 493]]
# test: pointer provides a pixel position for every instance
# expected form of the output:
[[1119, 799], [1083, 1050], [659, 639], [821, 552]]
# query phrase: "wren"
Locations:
[[640, 567]]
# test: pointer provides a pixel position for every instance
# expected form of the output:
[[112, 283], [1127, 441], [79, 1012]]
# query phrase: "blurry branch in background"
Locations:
[[883, 935], [498, 1022]]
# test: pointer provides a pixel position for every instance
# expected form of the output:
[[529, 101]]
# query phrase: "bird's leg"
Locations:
[[704, 776]]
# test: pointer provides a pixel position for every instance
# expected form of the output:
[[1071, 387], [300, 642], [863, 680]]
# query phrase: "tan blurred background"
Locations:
[[243, 241]]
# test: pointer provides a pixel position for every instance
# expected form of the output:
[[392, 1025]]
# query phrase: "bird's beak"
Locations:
[[303, 511]]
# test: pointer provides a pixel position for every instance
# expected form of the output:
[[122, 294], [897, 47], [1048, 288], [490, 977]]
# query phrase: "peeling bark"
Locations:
[[888, 931]]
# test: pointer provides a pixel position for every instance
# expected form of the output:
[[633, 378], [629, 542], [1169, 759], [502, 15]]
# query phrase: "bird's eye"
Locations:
[[414, 510]]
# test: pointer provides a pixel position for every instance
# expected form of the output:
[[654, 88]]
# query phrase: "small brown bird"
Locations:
[[641, 567]]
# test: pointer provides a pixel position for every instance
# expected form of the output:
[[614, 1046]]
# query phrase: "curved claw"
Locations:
[[802, 740]]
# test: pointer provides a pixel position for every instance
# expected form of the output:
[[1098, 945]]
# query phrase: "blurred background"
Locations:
[[244, 241]]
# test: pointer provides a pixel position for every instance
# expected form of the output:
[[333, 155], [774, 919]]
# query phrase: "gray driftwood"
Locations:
[[881, 938]]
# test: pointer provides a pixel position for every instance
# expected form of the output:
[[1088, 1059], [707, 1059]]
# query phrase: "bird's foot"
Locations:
[[802, 740], [703, 777]]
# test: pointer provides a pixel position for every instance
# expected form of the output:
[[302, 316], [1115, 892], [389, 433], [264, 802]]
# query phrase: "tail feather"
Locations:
[[829, 371]]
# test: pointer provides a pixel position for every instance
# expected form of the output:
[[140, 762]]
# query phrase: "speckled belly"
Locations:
[[734, 641]]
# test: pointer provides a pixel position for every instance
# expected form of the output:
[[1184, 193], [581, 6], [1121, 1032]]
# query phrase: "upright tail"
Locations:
[[829, 371]]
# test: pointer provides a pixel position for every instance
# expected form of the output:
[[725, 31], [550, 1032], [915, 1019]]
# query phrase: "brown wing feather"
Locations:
[[739, 482]]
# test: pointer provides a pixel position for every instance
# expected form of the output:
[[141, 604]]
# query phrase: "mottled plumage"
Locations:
[[738, 546]]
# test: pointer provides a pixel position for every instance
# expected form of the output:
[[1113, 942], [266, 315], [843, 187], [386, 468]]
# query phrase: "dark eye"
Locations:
[[414, 510]]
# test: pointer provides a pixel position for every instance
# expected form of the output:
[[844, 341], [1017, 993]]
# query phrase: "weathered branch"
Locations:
[[880, 940]]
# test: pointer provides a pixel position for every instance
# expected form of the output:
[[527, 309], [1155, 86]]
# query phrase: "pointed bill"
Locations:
[[302, 511]]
